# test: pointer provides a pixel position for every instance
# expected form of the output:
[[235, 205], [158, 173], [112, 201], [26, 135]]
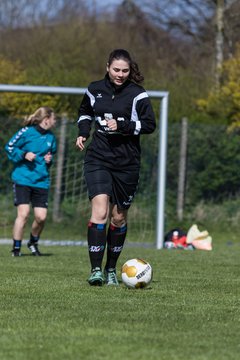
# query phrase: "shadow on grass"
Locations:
[[33, 256]]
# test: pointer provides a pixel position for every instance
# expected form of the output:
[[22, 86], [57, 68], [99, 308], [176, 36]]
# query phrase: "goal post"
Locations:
[[162, 145]]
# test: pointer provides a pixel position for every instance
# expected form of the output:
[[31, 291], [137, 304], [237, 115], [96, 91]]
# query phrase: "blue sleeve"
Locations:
[[14, 146], [54, 145], [53, 150]]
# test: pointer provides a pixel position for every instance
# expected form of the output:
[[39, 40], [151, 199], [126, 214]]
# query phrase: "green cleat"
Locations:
[[111, 277], [96, 278]]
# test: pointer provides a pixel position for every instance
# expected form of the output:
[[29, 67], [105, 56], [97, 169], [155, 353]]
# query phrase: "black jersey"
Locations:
[[130, 105]]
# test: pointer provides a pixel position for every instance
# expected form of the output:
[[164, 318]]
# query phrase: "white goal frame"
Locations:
[[162, 155]]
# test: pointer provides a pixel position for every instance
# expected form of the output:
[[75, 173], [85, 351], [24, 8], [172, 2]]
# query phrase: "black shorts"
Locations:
[[119, 185], [38, 197]]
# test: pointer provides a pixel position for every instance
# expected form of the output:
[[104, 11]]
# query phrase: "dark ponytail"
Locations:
[[135, 73]]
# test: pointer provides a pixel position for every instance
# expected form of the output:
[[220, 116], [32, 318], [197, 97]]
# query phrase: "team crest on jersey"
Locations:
[[99, 96]]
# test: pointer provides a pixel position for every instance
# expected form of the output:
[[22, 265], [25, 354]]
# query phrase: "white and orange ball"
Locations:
[[136, 273]]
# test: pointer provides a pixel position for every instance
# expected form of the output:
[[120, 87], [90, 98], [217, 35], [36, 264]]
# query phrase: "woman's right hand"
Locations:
[[80, 142]]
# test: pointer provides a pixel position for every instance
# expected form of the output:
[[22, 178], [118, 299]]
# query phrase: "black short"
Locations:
[[38, 197], [120, 185]]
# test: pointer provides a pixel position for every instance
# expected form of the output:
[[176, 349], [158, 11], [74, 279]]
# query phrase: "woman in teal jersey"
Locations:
[[31, 150]]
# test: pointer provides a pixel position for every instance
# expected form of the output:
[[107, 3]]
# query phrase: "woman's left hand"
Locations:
[[48, 157]]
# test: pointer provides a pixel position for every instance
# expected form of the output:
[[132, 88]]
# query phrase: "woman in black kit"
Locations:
[[121, 111]]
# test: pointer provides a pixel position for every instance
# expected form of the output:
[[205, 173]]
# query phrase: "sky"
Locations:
[[102, 4]]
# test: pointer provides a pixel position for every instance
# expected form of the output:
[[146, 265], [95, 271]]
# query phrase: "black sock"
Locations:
[[17, 244], [115, 241], [96, 243], [33, 239]]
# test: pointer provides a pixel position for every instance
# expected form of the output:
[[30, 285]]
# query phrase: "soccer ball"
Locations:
[[136, 273]]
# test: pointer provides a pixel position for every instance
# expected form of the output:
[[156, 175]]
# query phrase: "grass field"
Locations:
[[191, 310]]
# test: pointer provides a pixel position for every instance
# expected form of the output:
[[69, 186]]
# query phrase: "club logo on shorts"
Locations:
[[130, 199]]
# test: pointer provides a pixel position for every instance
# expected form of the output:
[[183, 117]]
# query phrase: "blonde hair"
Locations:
[[38, 116]]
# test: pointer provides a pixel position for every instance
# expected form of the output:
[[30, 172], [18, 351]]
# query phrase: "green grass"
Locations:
[[191, 310]]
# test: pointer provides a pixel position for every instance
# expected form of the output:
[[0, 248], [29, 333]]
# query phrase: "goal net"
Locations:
[[69, 206]]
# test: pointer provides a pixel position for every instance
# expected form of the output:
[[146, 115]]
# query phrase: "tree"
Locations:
[[224, 104], [18, 105], [11, 72], [219, 40]]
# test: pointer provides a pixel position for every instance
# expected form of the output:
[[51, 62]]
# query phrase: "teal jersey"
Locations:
[[40, 142]]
